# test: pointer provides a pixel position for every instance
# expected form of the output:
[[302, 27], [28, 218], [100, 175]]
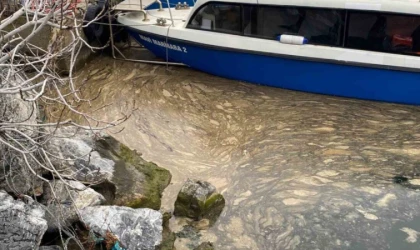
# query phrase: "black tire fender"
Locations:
[[97, 33]]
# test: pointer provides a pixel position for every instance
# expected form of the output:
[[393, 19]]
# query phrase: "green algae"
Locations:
[[205, 208], [139, 183], [157, 179]]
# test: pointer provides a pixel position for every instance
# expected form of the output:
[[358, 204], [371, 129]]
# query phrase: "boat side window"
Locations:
[[377, 31], [319, 26], [250, 19], [226, 18]]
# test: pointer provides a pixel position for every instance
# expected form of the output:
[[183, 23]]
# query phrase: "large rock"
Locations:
[[119, 173], [199, 200], [135, 228], [70, 197], [58, 39], [50, 248], [21, 225], [15, 177], [139, 183], [76, 156]]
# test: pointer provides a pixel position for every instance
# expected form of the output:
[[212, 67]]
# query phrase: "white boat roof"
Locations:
[[133, 5], [394, 6]]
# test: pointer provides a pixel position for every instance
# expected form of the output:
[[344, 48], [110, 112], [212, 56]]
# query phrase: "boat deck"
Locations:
[[133, 5]]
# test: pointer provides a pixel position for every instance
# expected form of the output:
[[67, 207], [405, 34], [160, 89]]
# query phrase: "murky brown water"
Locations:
[[298, 170]]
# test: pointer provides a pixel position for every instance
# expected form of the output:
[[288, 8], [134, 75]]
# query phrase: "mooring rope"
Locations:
[[167, 55], [167, 63]]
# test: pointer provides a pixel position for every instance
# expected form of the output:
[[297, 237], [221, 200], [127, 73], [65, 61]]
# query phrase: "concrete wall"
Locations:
[[10, 5], [58, 39]]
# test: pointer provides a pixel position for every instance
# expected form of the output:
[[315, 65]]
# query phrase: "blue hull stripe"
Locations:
[[309, 76], [171, 3]]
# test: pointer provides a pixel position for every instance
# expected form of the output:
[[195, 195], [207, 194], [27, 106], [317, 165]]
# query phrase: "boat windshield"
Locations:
[[219, 17]]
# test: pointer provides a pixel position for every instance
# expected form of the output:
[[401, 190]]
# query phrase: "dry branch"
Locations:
[[29, 78]]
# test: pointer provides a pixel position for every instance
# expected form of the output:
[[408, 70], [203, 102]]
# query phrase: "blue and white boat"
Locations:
[[367, 49]]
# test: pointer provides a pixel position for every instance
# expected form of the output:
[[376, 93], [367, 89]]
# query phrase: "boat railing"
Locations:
[[133, 6], [170, 13]]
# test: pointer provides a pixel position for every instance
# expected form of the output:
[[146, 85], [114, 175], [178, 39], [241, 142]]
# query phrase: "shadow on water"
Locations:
[[297, 170]]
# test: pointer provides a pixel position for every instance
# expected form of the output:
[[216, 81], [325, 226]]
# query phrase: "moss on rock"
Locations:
[[139, 183], [168, 237], [199, 200]]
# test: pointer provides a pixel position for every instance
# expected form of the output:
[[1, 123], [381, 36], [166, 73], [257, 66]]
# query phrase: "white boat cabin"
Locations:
[[383, 26], [380, 33]]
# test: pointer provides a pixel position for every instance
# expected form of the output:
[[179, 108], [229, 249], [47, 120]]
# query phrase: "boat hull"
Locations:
[[290, 73]]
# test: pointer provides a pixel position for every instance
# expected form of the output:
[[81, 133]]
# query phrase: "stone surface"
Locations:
[[199, 200], [60, 38], [190, 235], [139, 183], [50, 248], [38, 41], [62, 207], [15, 176], [21, 225], [117, 172], [205, 246], [136, 228], [108, 189], [94, 168], [81, 161]]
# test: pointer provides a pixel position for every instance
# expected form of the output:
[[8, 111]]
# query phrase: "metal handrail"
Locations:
[[160, 5], [115, 49], [170, 13]]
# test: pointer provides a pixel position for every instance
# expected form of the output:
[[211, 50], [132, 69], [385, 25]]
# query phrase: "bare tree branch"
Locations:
[[30, 79]]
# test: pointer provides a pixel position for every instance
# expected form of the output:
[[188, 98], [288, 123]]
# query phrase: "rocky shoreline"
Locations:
[[110, 197], [69, 188]]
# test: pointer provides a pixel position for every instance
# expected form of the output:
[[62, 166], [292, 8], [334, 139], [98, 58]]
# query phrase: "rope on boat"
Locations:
[[167, 53], [94, 35], [167, 35]]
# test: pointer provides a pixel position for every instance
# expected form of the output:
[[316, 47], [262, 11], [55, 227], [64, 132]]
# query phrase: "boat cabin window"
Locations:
[[218, 17], [376, 31], [364, 30], [319, 26]]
